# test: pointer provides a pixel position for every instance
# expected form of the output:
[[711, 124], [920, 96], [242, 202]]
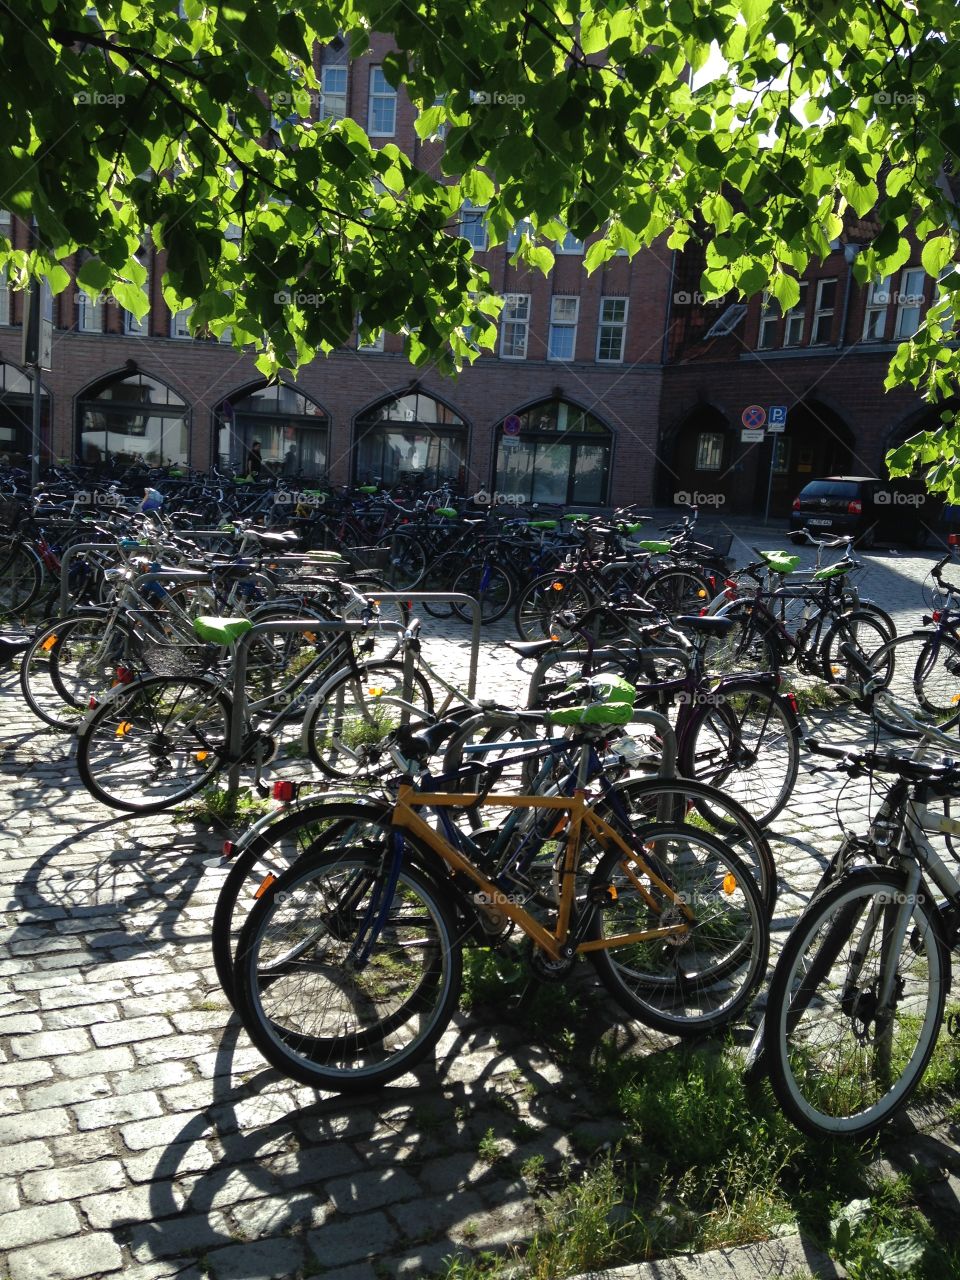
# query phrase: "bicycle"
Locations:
[[349, 965]]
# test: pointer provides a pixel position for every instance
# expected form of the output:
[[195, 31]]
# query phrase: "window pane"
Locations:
[[613, 310], [709, 450], [589, 475], [552, 473], [564, 310], [562, 342]]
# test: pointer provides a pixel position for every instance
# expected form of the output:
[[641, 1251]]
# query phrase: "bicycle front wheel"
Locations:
[[863, 632], [691, 981], [745, 742], [491, 586], [843, 1056], [921, 671], [21, 576], [346, 974], [540, 602], [151, 744]]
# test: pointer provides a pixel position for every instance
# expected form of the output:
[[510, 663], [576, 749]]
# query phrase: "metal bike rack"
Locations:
[[443, 597]]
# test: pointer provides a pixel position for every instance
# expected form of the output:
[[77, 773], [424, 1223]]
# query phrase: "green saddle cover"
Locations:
[[780, 561], [541, 524], [833, 571], [221, 630], [654, 545], [614, 704], [449, 512]]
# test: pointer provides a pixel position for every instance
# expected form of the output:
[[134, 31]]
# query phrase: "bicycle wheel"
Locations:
[[490, 585], [439, 576], [921, 671], [275, 848], [21, 576], [859, 629], [839, 1063], [346, 727], [408, 560], [347, 974], [539, 603], [683, 801], [678, 591], [683, 984], [84, 660], [744, 741], [152, 744], [747, 646], [45, 697]]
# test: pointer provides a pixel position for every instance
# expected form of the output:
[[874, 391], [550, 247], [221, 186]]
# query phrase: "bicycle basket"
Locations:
[[12, 513], [162, 659], [718, 542], [367, 557]]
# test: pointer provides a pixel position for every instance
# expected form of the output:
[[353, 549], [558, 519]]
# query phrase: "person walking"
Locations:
[[254, 461]]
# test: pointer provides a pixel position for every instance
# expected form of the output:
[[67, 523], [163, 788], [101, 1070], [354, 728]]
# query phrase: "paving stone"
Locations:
[[9, 1195], [83, 1148], [184, 1127], [281, 1214], [116, 1110], [70, 995], [340, 1242], [130, 1030], [179, 1236], [170, 1161], [20, 1024], [25, 1155], [262, 1260], [314, 1165], [50, 1044], [366, 1191], [62, 1093], [68, 1184], [10, 1102], [97, 1061], [171, 1047], [23, 1073], [89, 1255], [81, 1016], [146, 1203], [33, 1124], [36, 1224]]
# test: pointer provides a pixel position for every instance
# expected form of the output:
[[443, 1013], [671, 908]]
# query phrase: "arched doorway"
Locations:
[[699, 458], [16, 418], [132, 418], [293, 430], [816, 442], [411, 438], [554, 451]]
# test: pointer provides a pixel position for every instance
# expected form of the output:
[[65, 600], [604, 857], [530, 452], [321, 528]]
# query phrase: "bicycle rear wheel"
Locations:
[[348, 974], [921, 671], [154, 743], [696, 981], [491, 586], [839, 1063], [21, 576], [540, 602]]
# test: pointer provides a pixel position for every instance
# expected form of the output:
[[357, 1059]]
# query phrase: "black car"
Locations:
[[871, 509]]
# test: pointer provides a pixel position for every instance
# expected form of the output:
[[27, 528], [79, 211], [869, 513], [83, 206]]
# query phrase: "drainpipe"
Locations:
[[850, 252], [666, 320]]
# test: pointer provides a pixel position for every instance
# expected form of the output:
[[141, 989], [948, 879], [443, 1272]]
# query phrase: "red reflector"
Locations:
[[93, 703], [796, 504], [952, 540], [794, 705], [284, 790], [936, 615], [124, 675], [730, 582], [855, 507], [228, 848], [703, 613]]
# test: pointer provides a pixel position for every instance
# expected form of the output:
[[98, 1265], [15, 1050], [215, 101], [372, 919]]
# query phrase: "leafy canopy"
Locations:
[[128, 119]]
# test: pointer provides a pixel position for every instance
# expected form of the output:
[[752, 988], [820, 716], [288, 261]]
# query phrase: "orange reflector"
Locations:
[[200, 756], [557, 586], [123, 728], [701, 594], [267, 881], [49, 643], [376, 692], [553, 637], [956, 698], [311, 636], [729, 883]]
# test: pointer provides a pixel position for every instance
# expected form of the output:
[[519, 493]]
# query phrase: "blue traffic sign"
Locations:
[[777, 415]]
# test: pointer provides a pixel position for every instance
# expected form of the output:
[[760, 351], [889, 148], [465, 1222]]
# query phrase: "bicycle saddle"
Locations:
[[707, 626], [419, 744], [531, 648]]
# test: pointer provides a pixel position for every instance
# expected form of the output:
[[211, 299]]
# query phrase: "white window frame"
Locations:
[[89, 313], [134, 328], [178, 323], [516, 234], [383, 92], [906, 309], [569, 245], [796, 315], [328, 112], [606, 325], [515, 322], [769, 321], [563, 323], [471, 215], [6, 223], [876, 305], [823, 313]]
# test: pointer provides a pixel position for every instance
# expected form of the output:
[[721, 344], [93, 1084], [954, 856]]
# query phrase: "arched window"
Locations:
[[554, 451], [16, 418], [411, 438], [133, 418], [293, 430]]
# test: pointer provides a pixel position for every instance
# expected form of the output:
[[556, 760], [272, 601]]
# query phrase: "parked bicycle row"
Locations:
[[620, 816]]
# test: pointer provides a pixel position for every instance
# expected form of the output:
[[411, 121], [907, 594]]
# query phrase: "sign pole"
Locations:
[[776, 426], [773, 454]]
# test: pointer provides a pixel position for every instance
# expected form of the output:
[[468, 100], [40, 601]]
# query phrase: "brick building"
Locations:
[[615, 387]]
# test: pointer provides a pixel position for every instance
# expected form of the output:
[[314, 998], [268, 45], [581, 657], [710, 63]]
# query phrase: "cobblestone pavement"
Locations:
[[140, 1132]]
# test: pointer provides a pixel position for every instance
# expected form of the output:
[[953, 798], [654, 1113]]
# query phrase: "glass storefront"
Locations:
[[293, 431], [410, 439], [16, 418], [133, 419], [560, 455]]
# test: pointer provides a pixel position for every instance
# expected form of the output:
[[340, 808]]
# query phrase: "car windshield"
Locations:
[[831, 489]]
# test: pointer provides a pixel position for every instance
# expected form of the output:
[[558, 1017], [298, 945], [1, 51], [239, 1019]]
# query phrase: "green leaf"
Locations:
[[94, 276], [901, 1253], [786, 290], [936, 254]]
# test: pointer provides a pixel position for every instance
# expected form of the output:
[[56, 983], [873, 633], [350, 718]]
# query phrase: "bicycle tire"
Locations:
[[746, 742], [439, 575], [696, 803], [827, 1073], [269, 854], [408, 561], [700, 983], [859, 629], [44, 696], [921, 671], [21, 576], [491, 586], [345, 725], [343, 1023], [131, 745], [538, 604], [678, 591], [747, 646]]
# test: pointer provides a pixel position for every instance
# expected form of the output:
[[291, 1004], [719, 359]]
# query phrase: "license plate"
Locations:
[[828, 523]]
